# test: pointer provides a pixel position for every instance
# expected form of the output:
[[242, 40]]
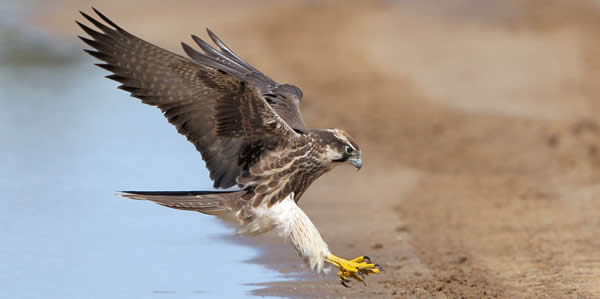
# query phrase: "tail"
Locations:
[[207, 202]]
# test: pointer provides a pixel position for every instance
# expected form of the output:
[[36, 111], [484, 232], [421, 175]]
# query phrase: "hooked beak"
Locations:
[[357, 162]]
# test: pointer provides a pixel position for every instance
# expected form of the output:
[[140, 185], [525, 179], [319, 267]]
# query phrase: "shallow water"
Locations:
[[68, 140]]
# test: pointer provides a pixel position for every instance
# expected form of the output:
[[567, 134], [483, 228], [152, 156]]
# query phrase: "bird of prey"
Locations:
[[248, 129]]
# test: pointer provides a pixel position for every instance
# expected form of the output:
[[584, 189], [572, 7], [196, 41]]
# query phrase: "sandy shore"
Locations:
[[479, 126]]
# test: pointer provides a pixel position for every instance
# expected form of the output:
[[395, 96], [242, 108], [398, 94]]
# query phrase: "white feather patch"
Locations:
[[290, 221]]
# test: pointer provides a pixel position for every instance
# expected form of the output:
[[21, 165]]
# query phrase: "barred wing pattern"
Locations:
[[225, 107]]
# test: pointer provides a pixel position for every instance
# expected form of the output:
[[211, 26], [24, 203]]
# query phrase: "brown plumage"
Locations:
[[247, 127]]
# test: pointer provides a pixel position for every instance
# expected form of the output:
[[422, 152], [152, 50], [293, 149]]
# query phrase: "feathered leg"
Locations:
[[307, 240]]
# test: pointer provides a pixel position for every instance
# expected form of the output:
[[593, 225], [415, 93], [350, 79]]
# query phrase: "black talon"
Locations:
[[368, 259], [363, 278], [362, 275], [344, 282]]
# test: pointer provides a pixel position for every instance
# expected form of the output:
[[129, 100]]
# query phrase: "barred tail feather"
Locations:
[[207, 202]]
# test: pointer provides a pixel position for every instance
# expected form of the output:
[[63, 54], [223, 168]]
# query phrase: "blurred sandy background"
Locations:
[[478, 122]]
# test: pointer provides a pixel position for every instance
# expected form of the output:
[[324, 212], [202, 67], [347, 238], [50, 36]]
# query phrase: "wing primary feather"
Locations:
[[191, 52], [90, 42], [109, 67], [107, 20], [98, 55], [228, 51], [101, 26], [95, 34], [209, 61], [130, 89], [214, 53], [212, 62], [117, 78]]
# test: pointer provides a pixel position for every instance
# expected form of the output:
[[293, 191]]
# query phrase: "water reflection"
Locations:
[[68, 140]]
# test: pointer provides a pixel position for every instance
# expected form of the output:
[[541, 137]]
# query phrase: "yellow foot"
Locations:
[[357, 268]]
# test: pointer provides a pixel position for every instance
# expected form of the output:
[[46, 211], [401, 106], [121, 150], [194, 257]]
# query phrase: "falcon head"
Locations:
[[341, 148]]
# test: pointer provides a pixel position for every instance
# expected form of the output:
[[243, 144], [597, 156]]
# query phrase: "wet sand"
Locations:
[[478, 125]]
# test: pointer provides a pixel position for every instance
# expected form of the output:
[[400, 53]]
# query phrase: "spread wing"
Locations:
[[283, 98], [225, 107]]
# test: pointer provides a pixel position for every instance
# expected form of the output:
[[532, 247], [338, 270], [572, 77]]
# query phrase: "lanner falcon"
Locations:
[[248, 129]]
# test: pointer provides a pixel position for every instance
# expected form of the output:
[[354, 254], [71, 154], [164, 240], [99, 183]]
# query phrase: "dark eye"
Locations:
[[348, 149]]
